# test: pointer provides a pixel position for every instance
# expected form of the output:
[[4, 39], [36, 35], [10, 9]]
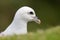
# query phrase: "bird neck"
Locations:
[[20, 25], [17, 26]]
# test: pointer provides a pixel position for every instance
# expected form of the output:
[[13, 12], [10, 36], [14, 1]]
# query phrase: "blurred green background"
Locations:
[[48, 12]]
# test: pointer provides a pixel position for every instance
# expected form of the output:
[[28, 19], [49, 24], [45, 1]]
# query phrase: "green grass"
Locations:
[[49, 34]]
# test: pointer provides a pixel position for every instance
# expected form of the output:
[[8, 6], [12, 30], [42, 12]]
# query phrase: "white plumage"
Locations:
[[19, 23]]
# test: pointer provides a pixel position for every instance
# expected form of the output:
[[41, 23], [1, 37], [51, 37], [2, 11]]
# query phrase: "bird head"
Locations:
[[27, 14]]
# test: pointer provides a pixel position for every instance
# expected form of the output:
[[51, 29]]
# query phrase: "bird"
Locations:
[[22, 16]]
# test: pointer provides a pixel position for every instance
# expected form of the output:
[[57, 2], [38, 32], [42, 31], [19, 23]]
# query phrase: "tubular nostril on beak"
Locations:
[[36, 17]]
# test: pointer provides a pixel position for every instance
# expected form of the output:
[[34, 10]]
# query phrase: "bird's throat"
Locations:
[[17, 27]]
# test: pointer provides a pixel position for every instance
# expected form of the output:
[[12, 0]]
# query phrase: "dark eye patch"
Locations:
[[30, 12]]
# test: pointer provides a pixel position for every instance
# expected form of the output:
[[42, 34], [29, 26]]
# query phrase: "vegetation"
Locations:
[[49, 34]]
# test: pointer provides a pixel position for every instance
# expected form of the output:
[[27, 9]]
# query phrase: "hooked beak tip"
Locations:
[[38, 21]]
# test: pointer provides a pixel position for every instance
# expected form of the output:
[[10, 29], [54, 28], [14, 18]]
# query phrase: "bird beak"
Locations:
[[37, 20]]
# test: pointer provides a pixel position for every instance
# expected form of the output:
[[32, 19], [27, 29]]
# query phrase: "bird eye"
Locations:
[[30, 12]]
